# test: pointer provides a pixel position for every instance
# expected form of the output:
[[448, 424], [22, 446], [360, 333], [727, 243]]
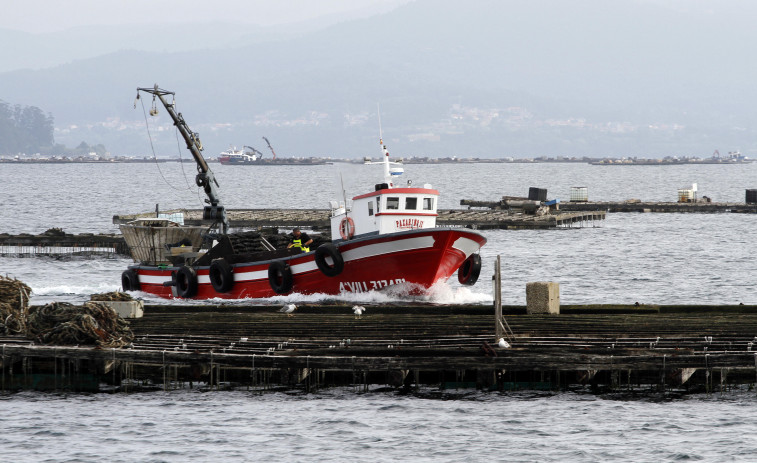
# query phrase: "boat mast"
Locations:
[[385, 152], [205, 177]]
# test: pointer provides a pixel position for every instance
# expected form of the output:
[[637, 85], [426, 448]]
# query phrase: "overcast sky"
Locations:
[[53, 15]]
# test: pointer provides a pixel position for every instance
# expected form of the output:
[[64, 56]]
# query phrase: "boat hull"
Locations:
[[236, 162], [416, 259]]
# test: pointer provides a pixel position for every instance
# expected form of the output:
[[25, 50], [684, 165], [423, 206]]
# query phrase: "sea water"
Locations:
[[344, 426], [646, 258], [633, 257]]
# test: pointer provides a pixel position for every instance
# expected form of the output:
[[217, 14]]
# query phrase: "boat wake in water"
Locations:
[[440, 293], [74, 280]]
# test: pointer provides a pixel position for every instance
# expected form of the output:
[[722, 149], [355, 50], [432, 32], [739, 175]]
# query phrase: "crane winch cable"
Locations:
[[155, 157]]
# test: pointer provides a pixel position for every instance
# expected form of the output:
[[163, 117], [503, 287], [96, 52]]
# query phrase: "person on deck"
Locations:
[[300, 240]]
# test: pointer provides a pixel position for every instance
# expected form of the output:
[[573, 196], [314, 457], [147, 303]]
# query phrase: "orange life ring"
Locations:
[[347, 228]]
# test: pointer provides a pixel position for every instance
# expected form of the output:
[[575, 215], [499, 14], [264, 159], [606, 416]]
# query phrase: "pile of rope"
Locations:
[[14, 305], [112, 296], [61, 323]]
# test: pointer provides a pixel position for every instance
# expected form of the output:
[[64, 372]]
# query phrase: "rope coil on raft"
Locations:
[[61, 323]]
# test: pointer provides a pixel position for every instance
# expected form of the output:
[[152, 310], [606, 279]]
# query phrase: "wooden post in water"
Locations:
[[498, 300], [501, 327]]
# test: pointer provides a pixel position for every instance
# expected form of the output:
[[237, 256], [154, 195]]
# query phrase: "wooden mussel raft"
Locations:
[[319, 219], [387, 237], [608, 348]]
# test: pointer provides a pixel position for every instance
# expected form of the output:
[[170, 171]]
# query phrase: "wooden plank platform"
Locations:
[[26, 245], [634, 206], [318, 219], [647, 348], [664, 207], [492, 220]]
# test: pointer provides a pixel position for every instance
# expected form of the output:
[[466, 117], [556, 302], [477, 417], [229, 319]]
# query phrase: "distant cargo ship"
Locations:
[[249, 156]]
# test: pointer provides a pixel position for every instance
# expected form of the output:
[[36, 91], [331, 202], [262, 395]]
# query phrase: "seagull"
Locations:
[[358, 309], [288, 309], [502, 343]]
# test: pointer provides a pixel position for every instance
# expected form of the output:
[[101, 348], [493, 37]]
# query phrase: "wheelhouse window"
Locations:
[[428, 204], [411, 203], [392, 203], [370, 207]]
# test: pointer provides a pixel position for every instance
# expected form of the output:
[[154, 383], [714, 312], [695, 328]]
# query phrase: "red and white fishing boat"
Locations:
[[387, 237]]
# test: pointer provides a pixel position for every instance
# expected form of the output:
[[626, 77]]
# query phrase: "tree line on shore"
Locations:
[[24, 129], [27, 130]]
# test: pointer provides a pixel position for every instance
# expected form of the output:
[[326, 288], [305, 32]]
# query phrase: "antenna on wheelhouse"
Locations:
[[344, 195], [388, 171], [378, 108]]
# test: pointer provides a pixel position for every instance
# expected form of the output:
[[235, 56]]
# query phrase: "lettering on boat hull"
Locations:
[[365, 286]]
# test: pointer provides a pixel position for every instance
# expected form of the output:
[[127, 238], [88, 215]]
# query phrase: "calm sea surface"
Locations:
[[649, 258]]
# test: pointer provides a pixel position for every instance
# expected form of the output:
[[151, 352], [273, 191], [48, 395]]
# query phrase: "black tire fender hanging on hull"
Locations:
[[130, 280], [221, 275], [185, 280], [329, 250], [468, 273], [280, 277]]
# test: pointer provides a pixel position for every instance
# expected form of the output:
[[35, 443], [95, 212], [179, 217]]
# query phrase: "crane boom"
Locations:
[[205, 177], [253, 150], [270, 147]]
